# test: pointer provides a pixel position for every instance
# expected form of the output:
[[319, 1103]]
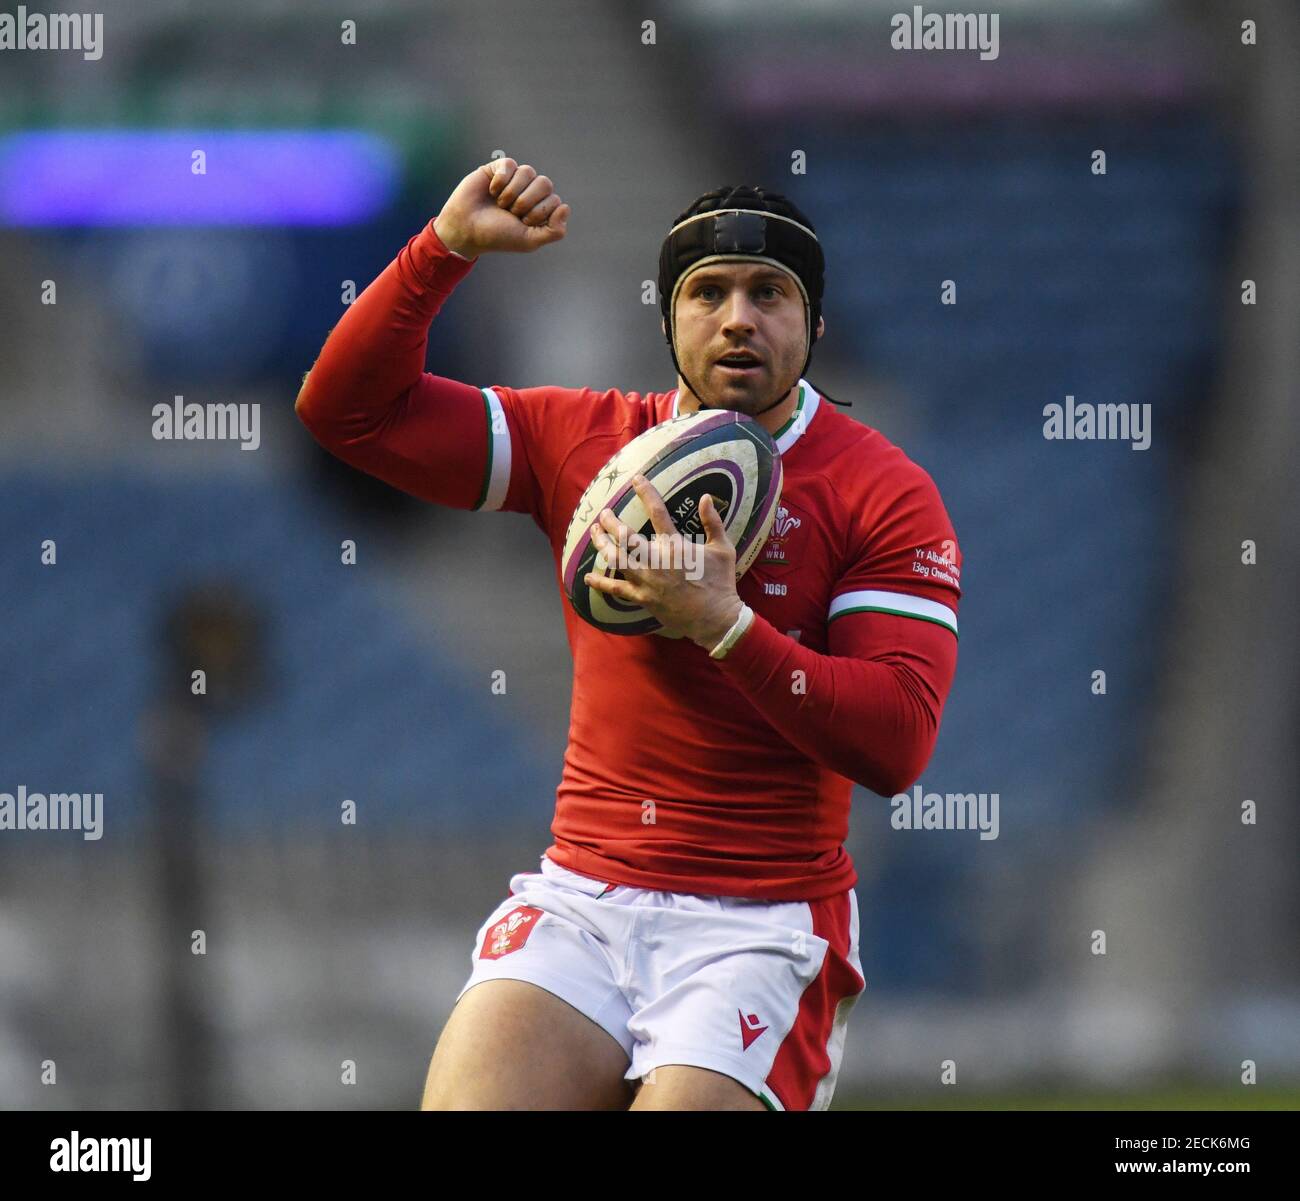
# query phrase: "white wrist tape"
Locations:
[[732, 636]]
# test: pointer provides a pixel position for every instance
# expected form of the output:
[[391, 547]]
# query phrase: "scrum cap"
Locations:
[[742, 224]]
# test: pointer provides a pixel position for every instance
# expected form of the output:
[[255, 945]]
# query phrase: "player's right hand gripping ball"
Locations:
[[715, 451]]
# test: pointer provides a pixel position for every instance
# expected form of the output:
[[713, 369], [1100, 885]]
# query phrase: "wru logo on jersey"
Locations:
[[784, 525]]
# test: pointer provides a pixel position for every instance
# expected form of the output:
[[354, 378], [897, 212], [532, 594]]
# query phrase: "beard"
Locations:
[[750, 396]]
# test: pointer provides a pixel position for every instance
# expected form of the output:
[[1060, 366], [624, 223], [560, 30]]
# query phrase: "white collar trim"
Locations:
[[802, 417]]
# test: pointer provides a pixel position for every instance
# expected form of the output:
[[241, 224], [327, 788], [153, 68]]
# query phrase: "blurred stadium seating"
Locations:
[[358, 706]]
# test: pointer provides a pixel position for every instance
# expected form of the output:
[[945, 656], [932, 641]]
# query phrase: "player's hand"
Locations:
[[692, 590], [504, 206]]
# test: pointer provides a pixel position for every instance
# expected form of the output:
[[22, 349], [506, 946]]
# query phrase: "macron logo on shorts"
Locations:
[[749, 1028], [510, 933]]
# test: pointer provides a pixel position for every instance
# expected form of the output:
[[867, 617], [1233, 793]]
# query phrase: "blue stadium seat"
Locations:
[[375, 718]]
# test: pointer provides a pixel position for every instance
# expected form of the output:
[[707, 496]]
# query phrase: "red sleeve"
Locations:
[[547, 425], [368, 400], [870, 709]]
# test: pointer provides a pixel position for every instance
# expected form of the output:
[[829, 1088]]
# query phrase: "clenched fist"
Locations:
[[501, 205]]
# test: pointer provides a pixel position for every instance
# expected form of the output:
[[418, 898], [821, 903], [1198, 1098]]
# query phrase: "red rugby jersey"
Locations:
[[683, 773]]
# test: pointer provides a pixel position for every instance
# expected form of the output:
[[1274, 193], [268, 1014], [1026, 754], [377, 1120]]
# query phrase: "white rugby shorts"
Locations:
[[757, 990]]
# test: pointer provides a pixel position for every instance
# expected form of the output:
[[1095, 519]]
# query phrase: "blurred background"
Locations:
[[126, 281]]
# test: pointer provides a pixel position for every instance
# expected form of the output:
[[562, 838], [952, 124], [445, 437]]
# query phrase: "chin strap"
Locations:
[[844, 404], [773, 405]]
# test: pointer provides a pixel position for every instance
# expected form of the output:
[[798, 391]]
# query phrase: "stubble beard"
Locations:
[[746, 400]]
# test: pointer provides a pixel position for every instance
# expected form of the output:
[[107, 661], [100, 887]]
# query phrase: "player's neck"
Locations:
[[772, 420]]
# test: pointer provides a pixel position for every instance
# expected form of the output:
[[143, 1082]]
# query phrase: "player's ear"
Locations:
[[821, 328], [663, 327]]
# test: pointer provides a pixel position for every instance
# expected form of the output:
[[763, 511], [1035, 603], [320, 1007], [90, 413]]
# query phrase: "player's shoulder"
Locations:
[[861, 461], [889, 501], [593, 409]]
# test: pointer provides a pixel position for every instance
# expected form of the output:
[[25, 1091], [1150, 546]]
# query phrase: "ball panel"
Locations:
[[771, 480], [641, 453], [757, 535]]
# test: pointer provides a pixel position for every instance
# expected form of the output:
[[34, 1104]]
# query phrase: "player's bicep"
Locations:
[[465, 447], [498, 448], [508, 483], [912, 588], [896, 601], [906, 563], [923, 651], [446, 442]]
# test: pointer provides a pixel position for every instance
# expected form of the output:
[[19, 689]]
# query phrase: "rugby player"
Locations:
[[690, 940]]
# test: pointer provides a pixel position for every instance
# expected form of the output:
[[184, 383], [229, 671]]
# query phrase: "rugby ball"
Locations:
[[716, 451]]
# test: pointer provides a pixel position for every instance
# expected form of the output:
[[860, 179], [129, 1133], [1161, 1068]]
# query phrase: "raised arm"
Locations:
[[368, 400]]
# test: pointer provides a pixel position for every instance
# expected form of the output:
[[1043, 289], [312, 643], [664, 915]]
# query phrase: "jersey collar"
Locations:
[[800, 419]]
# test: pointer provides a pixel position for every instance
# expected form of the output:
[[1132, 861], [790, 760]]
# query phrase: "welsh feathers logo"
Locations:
[[511, 932], [784, 522], [784, 525]]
